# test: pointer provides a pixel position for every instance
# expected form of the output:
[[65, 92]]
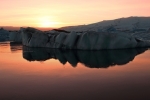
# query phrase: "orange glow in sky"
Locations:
[[58, 13]]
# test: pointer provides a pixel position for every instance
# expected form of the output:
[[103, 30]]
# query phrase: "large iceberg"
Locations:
[[89, 40]]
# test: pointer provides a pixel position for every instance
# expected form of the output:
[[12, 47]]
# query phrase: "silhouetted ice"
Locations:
[[89, 40], [4, 35]]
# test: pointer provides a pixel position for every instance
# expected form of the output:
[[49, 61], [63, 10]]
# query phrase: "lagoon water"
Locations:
[[52, 74]]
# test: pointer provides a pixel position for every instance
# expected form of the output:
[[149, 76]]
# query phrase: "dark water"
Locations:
[[52, 74]]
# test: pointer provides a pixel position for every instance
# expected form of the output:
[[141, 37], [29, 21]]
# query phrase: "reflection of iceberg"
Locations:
[[92, 59], [15, 46]]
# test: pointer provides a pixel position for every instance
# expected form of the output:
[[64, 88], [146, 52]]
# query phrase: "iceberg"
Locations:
[[15, 36], [89, 40], [4, 35]]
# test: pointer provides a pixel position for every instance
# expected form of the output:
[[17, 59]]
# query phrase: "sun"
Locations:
[[47, 22]]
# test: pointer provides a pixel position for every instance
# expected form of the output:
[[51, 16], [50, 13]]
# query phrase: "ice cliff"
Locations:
[[89, 40], [15, 36]]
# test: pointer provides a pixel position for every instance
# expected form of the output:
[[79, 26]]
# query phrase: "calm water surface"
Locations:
[[52, 74]]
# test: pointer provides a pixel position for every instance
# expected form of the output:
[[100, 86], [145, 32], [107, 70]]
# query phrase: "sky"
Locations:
[[59, 13]]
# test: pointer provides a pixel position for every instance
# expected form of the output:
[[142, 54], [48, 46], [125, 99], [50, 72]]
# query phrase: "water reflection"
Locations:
[[15, 46], [22, 80], [4, 44], [91, 59], [4, 47]]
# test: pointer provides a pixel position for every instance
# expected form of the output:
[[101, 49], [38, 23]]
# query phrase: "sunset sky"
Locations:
[[58, 13]]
